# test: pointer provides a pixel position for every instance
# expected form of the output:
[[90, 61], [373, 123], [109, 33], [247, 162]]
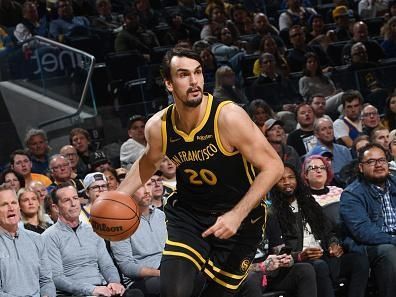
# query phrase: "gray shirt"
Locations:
[[79, 259], [24, 265]]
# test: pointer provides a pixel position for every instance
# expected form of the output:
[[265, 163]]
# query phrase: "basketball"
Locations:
[[114, 216]]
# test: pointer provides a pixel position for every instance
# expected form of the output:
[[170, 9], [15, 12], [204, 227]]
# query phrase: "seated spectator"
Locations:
[[209, 65], [391, 10], [40, 189], [225, 88], [392, 151], [148, 16], [178, 31], [135, 37], [36, 142], [370, 9], [389, 120], [303, 139], [306, 229], [81, 140], [279, 92], [316, 27], [25, 269], [67, 25], [20, 162], [31, 213], [263, 28], [276, 136], [94, 183], [139, 256], [106, 19], [237, 15], [168, 169], [259, 111], [314, 81], [318, 175], [370, 118], [61, 172], [12, 179], [30, 24], [79, 260], [78, 167], [112, 178], [324, 133], [318, 104], [360, 34], [295, 14], [134, 147], [342, 21], [296, 56], [192, 13], [389, 43], [349, 126], [98, 161], [268, 45], [368, 213], [158, 190], [10, 13], [380, 136]]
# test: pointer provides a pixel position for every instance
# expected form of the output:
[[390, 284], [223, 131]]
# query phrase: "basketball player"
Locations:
[[215, 217]]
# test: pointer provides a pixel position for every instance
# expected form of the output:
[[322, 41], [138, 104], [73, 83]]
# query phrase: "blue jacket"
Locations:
[[361, 213]]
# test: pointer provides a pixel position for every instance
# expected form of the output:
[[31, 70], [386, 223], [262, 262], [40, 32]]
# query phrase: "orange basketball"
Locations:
[[114, 216]]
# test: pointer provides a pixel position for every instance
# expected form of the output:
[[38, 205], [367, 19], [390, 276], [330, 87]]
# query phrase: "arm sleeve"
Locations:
[[357, 221], [340, 129], [284, 21], [303, 87], [61, 281], [105, 263], [47, 286], [123, 254]]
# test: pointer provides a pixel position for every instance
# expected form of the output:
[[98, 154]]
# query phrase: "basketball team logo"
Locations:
[[245, 265]]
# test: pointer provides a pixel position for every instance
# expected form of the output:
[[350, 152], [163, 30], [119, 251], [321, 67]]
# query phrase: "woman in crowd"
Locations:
[[31, 213], [389, 33], [225, 86], [317, 27], [392, 151], [308, 232], [317, 174], [12, 179], [260, 112], [112, 178], [209, 67], [389, 120]]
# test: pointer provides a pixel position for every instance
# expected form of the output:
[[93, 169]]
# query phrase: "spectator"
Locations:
[[81, 140], [67, 25], [78, 167], [98, 161], [389, 120], [79, 260], [20, 162], [134, 147], [12, 179], [380, 136], [178, 30], [217, 21], [296, 56], [369, 216], [370, 9], [317, 174], [303, 139], [370, 118], [94, 183], [360, 34], [209, 66], [349, 126], [158, 190], [238, 13], [389, 43], [31, 213], [112, 178], [392, 151], [309, 233], [295, 14], [25, 269], [316, 26], [61, 172], [36, 142], [259, 111], [168, 169], [106, 19], [148, 16], [225, 88], [30, 24], [318, 104], [342, 21], [41, 191], [276, 136], [263, 28], [139, 256]]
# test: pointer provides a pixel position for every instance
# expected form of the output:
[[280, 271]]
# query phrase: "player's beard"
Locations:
[[193, 102]]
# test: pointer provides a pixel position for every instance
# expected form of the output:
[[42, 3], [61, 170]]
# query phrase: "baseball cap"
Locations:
[[272, 122], [98, 158], [134, 118], [340, 11], [321, 151], [90, 178]]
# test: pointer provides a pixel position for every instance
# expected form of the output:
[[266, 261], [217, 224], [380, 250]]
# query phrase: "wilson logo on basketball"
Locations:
[[105, 228]]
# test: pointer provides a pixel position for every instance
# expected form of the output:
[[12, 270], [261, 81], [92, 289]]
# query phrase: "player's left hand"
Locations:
[[225, 227], [116, 289]]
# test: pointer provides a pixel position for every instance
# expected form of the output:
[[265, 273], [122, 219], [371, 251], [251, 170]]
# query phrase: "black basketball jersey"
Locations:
[[209, 178]]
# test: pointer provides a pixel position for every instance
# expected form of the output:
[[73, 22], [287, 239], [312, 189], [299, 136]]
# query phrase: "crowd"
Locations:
[[331, 218]]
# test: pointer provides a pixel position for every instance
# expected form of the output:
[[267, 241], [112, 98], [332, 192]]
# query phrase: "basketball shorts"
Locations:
[[224, 261]]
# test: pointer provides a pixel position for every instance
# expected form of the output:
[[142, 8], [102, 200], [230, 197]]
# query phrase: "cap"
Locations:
[[321, 151], [90, 178], [134, 118], [98, 158], [272, 122], [340, 11]]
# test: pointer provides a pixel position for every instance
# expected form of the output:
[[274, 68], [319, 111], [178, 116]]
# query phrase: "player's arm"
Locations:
[[149, 162], [238, 132]]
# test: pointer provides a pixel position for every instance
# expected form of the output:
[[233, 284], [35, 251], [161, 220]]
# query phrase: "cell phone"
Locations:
[[285, 250]]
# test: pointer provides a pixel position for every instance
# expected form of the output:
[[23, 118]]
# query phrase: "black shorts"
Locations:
[[224, 261]]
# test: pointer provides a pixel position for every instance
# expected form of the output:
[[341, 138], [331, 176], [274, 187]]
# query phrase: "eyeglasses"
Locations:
[[99, 187], [69, 155], [375, 162], [316, 168], [61, 166], [370, 114]]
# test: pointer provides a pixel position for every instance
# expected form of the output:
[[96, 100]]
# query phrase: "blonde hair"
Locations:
[[220, 72], [40, 213], [386, 29]]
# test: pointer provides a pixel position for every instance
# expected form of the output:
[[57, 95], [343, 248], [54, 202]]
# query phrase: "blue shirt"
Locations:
[[67, 27]]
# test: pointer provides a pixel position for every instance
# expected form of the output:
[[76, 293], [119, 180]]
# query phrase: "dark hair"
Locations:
[[367, 147], [113, 172], [390, 116], [372, 132], [18, 152], [311, 98], [260, 103], [351, 95], [301, 105], [20, 178], [177, 52], [54, 192], [358, 139], [76, 131], [311, 212], [318, 69], [329, 170]]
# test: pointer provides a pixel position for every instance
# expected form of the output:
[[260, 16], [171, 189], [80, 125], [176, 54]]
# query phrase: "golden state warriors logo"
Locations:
[[245, 265]]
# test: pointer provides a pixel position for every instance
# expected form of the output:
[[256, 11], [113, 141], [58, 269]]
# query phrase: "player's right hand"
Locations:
[[102, 291]]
